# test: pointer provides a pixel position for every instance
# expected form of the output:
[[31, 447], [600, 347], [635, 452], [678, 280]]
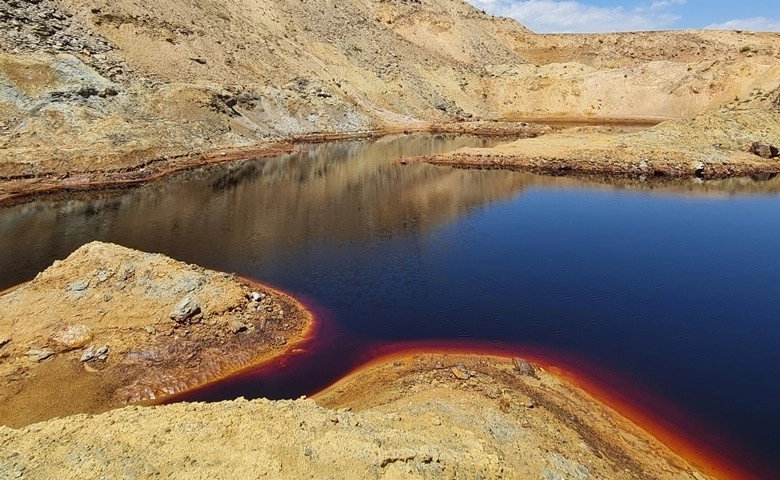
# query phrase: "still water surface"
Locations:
[[675, 289]]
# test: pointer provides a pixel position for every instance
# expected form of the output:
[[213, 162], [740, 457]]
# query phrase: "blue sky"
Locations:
[[624, 15]]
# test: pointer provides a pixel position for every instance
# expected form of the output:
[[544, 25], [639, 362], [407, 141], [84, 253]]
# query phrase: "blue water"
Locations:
[[676, 288]]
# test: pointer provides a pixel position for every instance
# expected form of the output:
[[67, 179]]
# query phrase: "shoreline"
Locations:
[[16, 189], [592, 167], [571, 147], [146, 357], [595, 390], [659, 419]]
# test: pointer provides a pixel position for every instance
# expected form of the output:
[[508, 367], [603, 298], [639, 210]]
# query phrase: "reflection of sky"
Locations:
[[622, 15]]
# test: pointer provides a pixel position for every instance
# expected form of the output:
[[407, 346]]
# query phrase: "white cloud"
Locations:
[[661, 4], [573, 16], [755, 24]]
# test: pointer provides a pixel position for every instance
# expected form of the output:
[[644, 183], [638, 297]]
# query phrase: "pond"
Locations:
[[672, 291]]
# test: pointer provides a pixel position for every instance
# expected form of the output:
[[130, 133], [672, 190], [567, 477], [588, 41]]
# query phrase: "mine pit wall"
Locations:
[[102, 85]]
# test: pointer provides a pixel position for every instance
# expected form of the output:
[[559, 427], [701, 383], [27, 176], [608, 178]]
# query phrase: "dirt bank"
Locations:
[[714, 145], [18, 184], [423, 416], [97, 329]]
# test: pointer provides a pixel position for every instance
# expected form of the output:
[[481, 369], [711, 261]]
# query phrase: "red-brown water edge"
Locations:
[[675, 290], [325, 357]]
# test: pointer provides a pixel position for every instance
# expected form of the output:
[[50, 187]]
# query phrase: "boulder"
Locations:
[[95, 353], [39, 355]]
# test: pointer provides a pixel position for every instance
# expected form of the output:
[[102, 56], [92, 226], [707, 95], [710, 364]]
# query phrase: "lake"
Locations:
[[672, 289]]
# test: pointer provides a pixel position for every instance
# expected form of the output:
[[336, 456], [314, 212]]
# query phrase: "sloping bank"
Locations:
[[713, 145], [109, 326]]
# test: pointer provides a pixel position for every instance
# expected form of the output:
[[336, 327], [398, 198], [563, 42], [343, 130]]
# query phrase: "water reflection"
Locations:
[[342, 192], [337, 192], [671, 284]]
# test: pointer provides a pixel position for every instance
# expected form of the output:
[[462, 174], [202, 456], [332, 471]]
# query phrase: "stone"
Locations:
[[236, 326], [95, 353], [185, 310], [39, 355], [524, 368], [77, 287], [460, 372], [108, 92], [698, 169], [4, 341], [764, 150], [101, 276], [255, 296], [70, 337]]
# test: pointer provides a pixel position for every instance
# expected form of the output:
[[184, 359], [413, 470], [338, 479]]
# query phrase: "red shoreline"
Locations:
[[661, 419], [718, 458]]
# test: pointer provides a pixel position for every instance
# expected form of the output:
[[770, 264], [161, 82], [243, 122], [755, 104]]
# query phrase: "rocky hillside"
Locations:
[[111, 85]]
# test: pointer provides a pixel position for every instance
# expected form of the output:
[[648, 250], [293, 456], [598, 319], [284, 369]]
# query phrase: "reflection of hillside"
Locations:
[[342, 192], [348, 192]]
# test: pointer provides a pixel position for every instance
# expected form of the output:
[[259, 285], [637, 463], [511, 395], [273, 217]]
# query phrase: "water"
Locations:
[[674, 289]]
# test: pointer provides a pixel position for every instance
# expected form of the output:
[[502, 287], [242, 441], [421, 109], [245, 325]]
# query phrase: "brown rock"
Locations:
[[763, 150], [524, 368], [236, 326]]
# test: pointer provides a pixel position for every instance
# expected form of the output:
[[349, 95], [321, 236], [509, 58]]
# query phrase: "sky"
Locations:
[[565, 16]]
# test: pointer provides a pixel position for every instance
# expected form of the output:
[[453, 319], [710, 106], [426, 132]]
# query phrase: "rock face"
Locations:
[[39, 25]]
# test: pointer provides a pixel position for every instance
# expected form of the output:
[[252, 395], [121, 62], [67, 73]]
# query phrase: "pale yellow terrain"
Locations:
[[111, 297], [122, 84], [122, 92]]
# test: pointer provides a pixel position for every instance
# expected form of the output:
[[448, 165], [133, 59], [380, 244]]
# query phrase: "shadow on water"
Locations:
[[672, 285]]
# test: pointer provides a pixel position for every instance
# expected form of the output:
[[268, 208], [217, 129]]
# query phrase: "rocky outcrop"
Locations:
[[41, 26], [125, 348]]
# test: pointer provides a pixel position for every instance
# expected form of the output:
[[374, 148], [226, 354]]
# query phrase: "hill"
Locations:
[[114, 86]]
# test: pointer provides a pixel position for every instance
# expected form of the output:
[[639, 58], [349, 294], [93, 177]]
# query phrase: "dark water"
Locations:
[[677, 289]]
